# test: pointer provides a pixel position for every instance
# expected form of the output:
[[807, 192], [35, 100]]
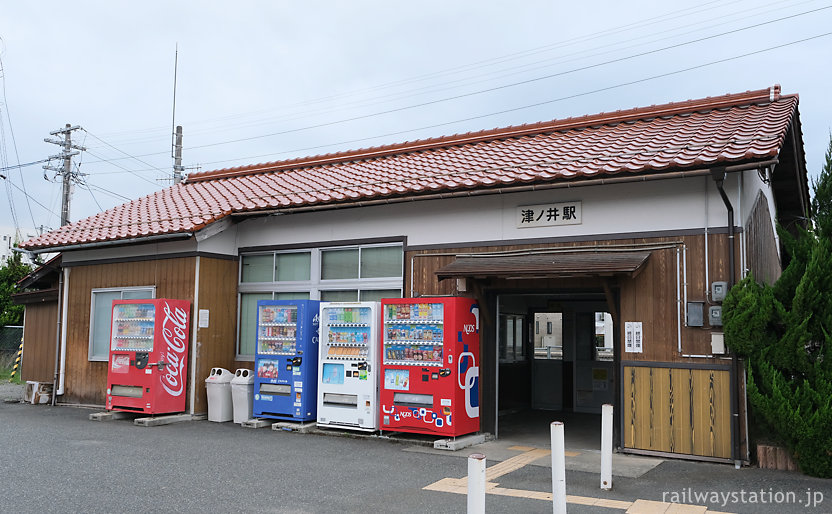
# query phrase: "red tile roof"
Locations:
[[732, 128]]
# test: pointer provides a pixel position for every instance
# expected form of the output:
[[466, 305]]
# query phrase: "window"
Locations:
[[604, 347], [283, 267], [512, 342], [550, 345], [337, 264], [334, 274], [101, 312]]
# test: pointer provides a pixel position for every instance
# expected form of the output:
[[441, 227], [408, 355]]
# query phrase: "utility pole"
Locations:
[[177, 159], [67, 175]]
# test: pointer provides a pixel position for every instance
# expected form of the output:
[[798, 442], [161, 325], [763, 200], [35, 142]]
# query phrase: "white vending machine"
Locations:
[[348, 365]]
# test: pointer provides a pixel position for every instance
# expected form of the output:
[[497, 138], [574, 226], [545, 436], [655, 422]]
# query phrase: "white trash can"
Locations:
[[218, 388], [242, 393]]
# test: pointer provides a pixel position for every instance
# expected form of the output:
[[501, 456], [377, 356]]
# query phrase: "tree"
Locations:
[[10, 273], [784, 333], [822, 199]]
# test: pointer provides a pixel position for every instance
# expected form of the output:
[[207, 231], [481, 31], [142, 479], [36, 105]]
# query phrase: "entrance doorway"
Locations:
[[556, 363]]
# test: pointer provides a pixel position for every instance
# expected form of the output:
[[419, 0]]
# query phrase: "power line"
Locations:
[[24, 165], [112, 161], [32, 198], [683, 13], [122, 151], [14, 141], [528, 106], [94, 199], [505, 86]]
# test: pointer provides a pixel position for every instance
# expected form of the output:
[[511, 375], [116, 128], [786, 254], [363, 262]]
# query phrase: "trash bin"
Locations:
[[218, 387], [242, 394]]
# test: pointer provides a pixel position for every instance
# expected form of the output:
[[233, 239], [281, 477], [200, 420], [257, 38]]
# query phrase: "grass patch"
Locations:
[[5, 374]]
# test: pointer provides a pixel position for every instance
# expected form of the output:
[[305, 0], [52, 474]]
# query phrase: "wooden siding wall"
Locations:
[[650, 297], [675, 410], [40, 333], [761, 246], [86, 381], [216, 344]]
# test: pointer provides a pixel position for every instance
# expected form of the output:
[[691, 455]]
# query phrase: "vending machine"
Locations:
[[148, 355], [430, 366], [348, 366], [286, 360]]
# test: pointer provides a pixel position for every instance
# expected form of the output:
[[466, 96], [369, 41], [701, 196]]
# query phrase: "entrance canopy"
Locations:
[[570, 264]]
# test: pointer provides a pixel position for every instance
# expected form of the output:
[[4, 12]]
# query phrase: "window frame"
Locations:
[[91, 355], [315, 285]]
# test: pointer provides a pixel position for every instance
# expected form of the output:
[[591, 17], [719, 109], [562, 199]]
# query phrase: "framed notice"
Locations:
[[633, 337]]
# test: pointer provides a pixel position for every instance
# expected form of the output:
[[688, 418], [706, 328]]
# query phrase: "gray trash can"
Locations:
[[218, 388], [242, 394]]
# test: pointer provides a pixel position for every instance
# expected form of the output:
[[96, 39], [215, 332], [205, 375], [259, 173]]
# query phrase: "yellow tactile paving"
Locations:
[[654, 507], [648, 507], [514, 463], [460, 486], [682, 508], [530, 448]]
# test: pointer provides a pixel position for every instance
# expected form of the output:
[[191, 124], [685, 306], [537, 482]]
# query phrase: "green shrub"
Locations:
[[784, 333]]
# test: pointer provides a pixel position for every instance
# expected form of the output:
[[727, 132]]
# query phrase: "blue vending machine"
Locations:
[[286, 360]]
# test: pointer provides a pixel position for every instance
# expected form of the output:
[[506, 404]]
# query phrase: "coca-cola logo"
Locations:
[[175, 337]]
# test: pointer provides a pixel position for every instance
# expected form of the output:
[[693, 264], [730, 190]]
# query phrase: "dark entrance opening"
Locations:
[[556, 362]]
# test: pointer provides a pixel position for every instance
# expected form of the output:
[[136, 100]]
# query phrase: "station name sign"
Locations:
[[548, 214]]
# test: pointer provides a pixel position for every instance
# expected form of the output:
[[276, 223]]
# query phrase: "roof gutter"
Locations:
[[513, 189], [114, 242]]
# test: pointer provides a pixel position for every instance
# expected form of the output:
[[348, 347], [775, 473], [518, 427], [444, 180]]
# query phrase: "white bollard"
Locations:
[[476, 483], [606, 447], [558, 469]]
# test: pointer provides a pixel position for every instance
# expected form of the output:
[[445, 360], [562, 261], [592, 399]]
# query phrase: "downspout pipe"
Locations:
[[719, 175], [58, 335]]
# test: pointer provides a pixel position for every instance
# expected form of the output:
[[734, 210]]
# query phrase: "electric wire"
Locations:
[[505, 86], [590, 37], [14, 141], [127, 170], [488, 77], [122, 151], [453, 70], [528, 106], [24, 165], [32, 198]]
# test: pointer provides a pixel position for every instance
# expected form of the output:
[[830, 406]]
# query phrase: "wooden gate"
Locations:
[[677, 410]]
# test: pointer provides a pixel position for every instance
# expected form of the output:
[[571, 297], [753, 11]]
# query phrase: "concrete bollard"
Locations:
[[558, 469], [476, 483], [606, 446]]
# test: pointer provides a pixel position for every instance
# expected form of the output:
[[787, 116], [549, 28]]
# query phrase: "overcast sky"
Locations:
[[265, 81]]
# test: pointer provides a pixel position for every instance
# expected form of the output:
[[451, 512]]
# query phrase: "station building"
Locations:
[[599, 249]]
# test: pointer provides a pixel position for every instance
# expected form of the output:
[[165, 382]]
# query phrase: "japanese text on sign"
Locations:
[[633, 334], [549, 214]]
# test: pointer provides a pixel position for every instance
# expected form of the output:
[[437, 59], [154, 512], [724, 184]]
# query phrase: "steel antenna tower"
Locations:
[[67, 175]]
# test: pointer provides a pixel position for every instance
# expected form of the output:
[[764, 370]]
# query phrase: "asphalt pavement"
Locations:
[[58, 460]]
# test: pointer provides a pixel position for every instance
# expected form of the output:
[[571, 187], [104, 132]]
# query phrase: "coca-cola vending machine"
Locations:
[[148, 356]]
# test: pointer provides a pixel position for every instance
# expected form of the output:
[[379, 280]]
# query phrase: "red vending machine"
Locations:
[[148, 356], [430, 371]]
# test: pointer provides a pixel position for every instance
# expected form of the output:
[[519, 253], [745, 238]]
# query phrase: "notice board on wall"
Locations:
[[633, 337]]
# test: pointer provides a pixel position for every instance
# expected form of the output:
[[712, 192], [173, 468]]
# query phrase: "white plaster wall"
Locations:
[[130, 251], [224, 243], [628, 208], [664, 205]]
